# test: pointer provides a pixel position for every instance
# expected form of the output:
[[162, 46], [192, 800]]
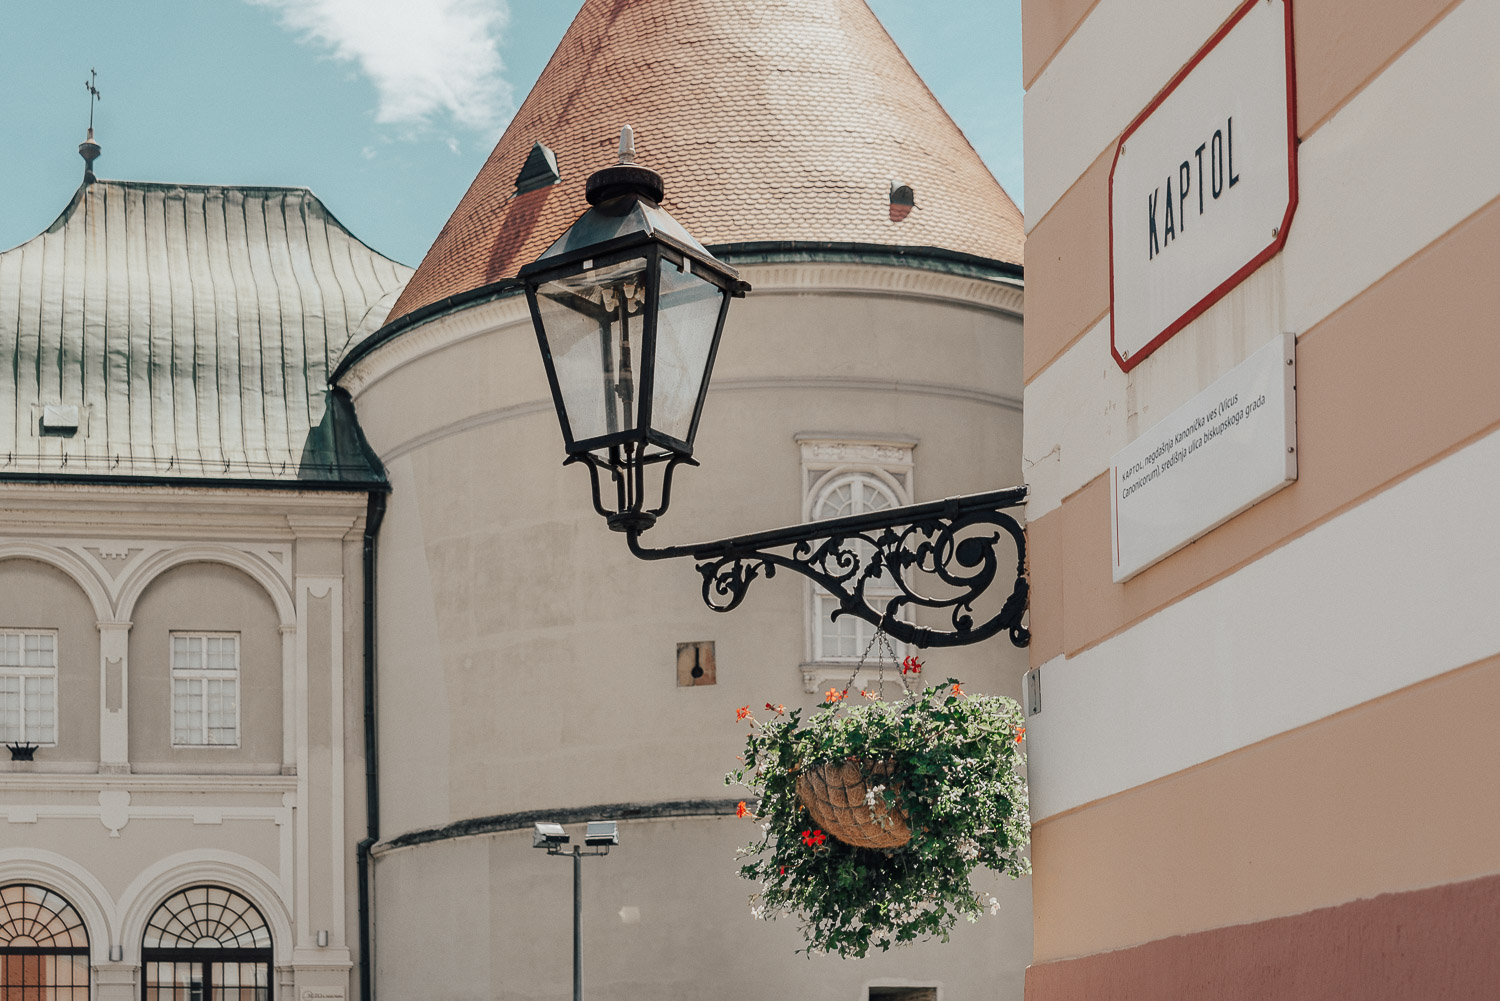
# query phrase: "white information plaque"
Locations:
[[1232, 445], [1204, 182]]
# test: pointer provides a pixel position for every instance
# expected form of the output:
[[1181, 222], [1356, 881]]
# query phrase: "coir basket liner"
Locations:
[[834, 793]]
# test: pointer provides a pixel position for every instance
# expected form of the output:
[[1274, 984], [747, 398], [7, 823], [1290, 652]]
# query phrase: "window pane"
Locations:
[[837, 503], [688, 314], [593, 331], [187, 653], [187, 712], [221, 711], [10, 708], [40, 715], [10, 649]]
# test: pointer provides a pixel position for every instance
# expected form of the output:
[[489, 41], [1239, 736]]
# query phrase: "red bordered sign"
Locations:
[[1204, 181]]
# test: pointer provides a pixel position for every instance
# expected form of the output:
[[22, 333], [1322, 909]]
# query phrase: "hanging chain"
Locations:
[[884, 640]]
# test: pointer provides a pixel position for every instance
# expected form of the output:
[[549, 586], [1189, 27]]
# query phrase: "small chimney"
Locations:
[[89, 150]]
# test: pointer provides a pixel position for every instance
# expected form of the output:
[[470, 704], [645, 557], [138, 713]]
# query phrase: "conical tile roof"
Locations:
[[770, 120]]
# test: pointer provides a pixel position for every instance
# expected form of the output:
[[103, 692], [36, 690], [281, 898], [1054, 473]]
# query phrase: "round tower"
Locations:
[[529, 667]]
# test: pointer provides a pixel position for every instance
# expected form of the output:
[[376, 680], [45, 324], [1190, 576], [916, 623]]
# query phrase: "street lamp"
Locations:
[[600, 835], [628, 309]]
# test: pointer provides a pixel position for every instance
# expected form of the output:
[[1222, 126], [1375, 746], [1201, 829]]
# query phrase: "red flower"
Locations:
[[783, 870], [834, 695], [1020, 733], [813, 838], [911, 665], [740, 810], [743, 712], [778, 709]]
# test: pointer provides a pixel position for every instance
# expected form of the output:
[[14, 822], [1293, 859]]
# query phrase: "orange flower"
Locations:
[[834, 695], [778, 709], [741, 810], [743, 712], [1020, 733], [957, 690], [872, 696]]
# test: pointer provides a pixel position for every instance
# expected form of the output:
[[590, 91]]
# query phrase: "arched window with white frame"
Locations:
[[843, 475], [845, 639], [206, 943]]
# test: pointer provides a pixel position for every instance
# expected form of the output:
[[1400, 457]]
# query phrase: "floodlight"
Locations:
[[546, 835], [602, 832]]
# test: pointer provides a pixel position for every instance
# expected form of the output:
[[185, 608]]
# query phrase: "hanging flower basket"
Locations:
[[873, 816], [837, 794]]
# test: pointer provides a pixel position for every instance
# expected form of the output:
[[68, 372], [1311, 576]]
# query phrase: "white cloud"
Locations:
[[428, 59]]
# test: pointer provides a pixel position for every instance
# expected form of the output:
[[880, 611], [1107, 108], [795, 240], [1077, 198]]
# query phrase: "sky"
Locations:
[[386, 109]]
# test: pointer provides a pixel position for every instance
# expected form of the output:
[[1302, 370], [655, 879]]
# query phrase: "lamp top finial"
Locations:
[[627, 144]]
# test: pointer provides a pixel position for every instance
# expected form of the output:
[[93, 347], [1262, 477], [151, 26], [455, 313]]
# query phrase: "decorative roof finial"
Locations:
[[624, 178], [88, 149]]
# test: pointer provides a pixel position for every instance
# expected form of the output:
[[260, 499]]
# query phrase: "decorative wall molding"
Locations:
[[863, 280]]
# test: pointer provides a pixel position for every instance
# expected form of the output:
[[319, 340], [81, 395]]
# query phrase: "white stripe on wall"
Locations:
[[1397, 590], [1122, 54]]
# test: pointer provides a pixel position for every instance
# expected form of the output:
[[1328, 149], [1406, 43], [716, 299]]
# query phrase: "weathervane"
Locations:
[[94, 95], [88, 149]]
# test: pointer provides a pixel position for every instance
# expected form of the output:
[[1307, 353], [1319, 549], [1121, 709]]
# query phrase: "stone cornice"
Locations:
[[1004, 296]]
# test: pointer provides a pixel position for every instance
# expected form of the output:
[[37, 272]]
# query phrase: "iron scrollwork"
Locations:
[[953, 544]]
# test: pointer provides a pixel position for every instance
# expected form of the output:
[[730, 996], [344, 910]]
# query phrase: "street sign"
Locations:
[[1229, 447], [1204, 181]]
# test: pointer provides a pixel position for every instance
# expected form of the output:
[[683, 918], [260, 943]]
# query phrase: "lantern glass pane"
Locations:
[[593, 325], [685, 323]]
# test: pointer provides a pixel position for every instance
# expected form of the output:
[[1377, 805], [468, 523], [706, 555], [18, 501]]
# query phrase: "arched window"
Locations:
[[845, 638], [206, 943], [44, 949]]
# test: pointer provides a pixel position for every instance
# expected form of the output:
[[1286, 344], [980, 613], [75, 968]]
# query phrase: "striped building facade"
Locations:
[[1265, 767]]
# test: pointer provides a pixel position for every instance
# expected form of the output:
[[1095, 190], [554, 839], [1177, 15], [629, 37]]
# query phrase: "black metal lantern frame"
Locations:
[[603, 280], [633, 436]]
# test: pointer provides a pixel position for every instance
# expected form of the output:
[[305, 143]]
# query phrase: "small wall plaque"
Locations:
[[695, 664]]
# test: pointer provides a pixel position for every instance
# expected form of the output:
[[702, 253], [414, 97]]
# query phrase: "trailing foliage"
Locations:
[[951, 761]]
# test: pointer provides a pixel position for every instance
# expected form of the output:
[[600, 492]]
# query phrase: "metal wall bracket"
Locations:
[[952, 543]]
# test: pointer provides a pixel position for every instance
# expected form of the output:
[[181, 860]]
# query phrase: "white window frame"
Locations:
[[24, 672], [829, 461], [202, 676]]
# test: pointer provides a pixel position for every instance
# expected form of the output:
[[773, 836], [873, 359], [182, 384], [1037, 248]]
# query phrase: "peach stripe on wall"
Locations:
[[1395, 794], [1067, 250], [1397, 377], [1067, 269], [1436, 944]]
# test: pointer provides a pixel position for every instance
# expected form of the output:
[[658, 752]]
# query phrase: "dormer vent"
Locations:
[[539, 171], [902, 194], [60, 420]]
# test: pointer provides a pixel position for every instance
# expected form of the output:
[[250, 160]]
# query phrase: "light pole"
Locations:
[[628, 309], [600, 835]]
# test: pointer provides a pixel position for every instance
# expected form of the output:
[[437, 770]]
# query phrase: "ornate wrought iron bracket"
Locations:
[[951, 542]]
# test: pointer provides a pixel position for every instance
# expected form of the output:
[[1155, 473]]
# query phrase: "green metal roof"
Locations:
[[194, 328]]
